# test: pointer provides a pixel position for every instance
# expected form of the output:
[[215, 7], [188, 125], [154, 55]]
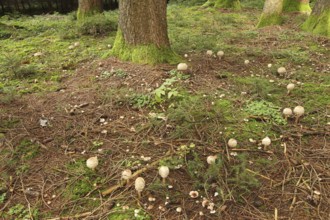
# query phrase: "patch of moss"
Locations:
[[233, 4], [268, 20], [146, 54], [296, 5], [318, 24]]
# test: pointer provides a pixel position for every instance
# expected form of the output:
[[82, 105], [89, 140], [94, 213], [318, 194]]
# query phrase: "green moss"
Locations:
[[318, 24], [84, 14], [295, 5], [146, 54], [268, 20], [233, 4]]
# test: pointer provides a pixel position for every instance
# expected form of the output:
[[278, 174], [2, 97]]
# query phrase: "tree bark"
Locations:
[[89, 7], [297, 5], [319, 21], [271, 14], [142, 33]]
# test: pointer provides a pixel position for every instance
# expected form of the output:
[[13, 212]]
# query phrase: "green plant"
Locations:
[[96, 25], [267, 110], [2, 198], [19, 212], [166, 92]]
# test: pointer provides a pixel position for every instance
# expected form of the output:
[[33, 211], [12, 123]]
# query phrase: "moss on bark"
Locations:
[[146, 54], [267, 20], [233, 4], [296, 6], [81, 14], [318, 24]]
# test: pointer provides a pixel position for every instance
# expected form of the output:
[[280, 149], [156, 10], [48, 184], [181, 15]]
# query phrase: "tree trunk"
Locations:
[[142, 32], [271, 14], [89, 7], [319, 21], [233, 4], [297, 5]]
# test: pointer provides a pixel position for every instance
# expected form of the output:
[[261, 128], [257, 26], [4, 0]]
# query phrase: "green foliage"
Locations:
[[97, 25], [2, 198], [188, 2], [19, 212], [318, 24], [119, 214], [267, 110]]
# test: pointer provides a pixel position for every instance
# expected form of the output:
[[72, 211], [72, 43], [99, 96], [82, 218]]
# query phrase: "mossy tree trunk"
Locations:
[[271, 14], [89, 7], [233, 4], [297, 5], [142, 33], [319, 21]]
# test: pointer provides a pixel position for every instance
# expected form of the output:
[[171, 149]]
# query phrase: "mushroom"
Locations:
[[211, 159], [193, 194], [232, 142], [164, 171], [220, 54], [209, 52], [287, 112], [92, 162], [182, 66], [290, 87], [139, 185], [266, 142], [246, 62], [269, 65], [126, 175], [186, 55], [76, 44], [281, 71], [298, 111]]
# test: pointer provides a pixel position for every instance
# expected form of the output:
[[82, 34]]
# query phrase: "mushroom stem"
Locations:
[[139, 195], [164, 181], [297, 119]]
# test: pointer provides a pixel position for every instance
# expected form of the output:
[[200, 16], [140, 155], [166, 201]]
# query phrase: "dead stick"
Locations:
[[137, 173]]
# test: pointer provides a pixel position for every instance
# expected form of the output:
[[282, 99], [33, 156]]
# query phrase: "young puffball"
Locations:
[[269, 65], [182, 66], [281, 71], [92, 162], [164, 171], [126, 175], [211, 159], [266, 142], [220, 54], [290, 87], [209, 53], [287, 112], [246, 62], [298, 111], [232, 142], [139, 185]]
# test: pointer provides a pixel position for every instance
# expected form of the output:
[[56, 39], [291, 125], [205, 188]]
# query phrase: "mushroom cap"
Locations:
[[92, 162], [266, 141], [209, 52], [220, 53], [139, 184], [211, 159], [193, 194], [182, 66], [76, 44], [126, 174], [164, 171], [299, 110], [232, 142], [290, 86], [287, 111], [269, 65], [246, 61], [281, 70], [186, 55]]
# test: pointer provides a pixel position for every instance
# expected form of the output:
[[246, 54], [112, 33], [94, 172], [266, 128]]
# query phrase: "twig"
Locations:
[[85, 214]]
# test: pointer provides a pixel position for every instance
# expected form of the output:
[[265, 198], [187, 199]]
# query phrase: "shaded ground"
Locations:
[[102, 108]]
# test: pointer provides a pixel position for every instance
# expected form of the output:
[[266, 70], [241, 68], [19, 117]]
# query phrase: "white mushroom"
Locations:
[[164, 171], [186, 55], [193, 194], [182, 66], [92, 162], [298, 111], [290, 87], [266, 142], [209, 52], [211, 159], [126, 175], [281, 71], [246, 62], [139, 185], [269, 65], [76, 44], [220, 54], [232, 142], [287, 112]]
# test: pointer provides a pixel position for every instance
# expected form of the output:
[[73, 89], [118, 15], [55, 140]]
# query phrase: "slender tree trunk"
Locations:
[[233, 4], [271, 14], [319, 21], [89, 7], [297, 5], [142, 32]]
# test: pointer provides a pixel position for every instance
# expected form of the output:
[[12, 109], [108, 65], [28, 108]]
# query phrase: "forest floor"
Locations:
[[63, 100]]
